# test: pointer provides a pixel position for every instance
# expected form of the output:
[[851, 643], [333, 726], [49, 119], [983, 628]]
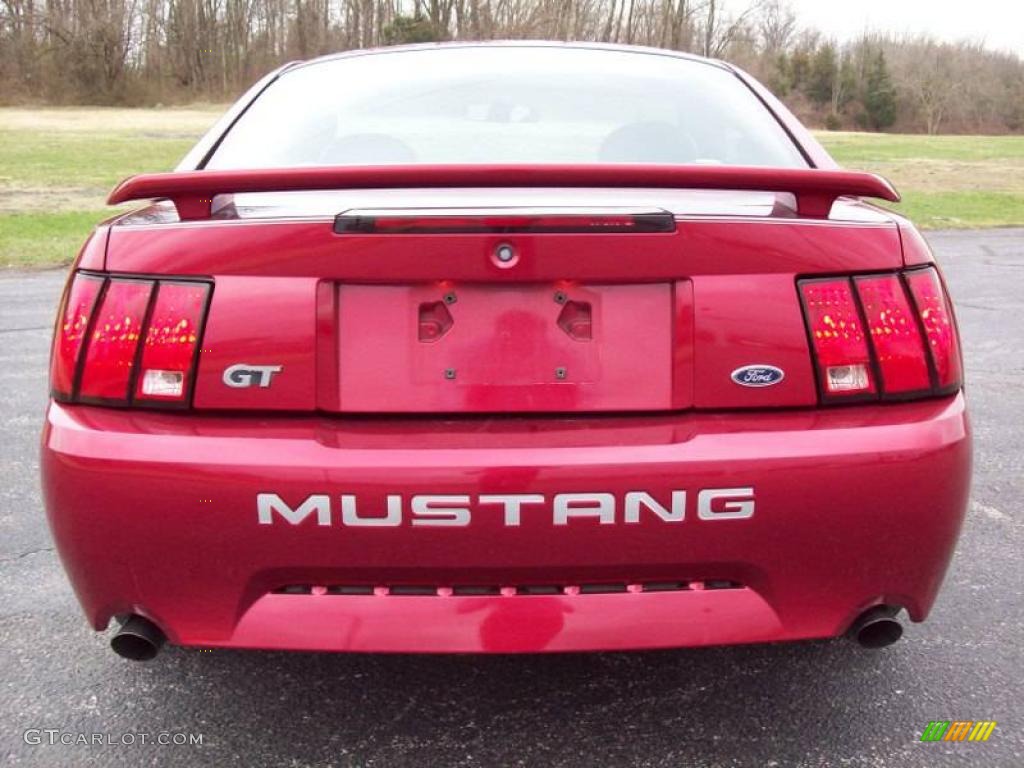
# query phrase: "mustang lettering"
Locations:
[[455, 510]]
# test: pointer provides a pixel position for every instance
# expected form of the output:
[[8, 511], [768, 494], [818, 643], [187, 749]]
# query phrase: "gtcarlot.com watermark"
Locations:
[[56, 736]]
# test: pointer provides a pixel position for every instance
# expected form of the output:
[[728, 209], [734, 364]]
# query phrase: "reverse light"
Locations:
[[157, 383], [882, 335], [847, 378], [127, 340]]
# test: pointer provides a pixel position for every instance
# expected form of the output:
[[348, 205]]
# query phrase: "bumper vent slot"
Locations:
[[349, 589], [493, 590], [477, 591], [539, 589], [603, 589]]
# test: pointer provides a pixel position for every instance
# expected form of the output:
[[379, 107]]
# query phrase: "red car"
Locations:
[[505, 348]]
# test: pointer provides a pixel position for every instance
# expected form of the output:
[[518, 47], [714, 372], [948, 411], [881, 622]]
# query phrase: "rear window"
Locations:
[[514, 104]]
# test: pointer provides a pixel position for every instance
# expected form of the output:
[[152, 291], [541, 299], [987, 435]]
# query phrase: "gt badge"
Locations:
[[245, 375]]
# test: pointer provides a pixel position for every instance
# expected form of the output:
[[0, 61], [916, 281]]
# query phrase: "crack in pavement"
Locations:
[[23, 555], [20, 330]]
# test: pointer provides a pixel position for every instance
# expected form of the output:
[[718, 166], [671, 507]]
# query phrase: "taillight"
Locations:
[[128, 340], [939, 326], [840, 343], [110, 347], [872, 338], [894, 333], [72, 326], [171, 341]]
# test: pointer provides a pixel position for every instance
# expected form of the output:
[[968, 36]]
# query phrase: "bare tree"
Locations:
[[776, 25], [721, 30], [119, 51], [926, 72]]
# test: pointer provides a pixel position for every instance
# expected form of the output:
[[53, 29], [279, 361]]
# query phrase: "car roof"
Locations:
[[507, 44]]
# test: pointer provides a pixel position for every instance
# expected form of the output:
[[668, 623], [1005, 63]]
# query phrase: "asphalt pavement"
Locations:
[[807, 704]]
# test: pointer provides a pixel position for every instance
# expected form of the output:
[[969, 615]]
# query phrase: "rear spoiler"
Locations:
[[192, 192]]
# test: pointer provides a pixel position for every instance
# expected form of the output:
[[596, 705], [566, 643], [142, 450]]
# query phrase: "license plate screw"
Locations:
[[560, 373], [450, 297], [560, 297], [449, 373]]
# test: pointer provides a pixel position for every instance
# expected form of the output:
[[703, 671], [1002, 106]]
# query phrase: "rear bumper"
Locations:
[[157, 514]]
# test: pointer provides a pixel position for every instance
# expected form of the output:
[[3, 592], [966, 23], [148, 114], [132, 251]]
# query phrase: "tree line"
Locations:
[[139, 52]]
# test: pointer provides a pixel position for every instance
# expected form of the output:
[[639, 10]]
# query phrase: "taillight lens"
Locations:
[[894, 333], [840, 344], [939, 326], [72, 326], [171, 340], [870, 338], [128, 340], [110, 349]]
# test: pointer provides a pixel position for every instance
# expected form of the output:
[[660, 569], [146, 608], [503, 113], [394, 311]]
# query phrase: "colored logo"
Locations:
[[958, 730], [758, 375]]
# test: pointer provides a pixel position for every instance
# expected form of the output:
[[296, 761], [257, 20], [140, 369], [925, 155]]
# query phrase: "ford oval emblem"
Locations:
[[758, 375]]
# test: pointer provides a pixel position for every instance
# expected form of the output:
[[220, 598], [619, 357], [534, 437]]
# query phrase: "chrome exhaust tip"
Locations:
[[138, 639], [877, 627]]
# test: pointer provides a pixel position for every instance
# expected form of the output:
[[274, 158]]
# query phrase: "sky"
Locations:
[[997, 23]]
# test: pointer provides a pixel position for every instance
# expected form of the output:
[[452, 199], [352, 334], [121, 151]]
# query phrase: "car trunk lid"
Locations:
[[617, 299]]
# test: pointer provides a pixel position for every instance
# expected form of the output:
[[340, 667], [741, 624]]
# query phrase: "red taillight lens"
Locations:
[[837, 333], [128, 340], [169, 347], [72, 326], [939, 327], [110, 352], [895, 335], [890, 343]]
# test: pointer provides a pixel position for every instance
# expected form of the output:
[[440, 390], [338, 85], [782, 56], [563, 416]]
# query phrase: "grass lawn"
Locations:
[[946, 181], [58, 164]]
